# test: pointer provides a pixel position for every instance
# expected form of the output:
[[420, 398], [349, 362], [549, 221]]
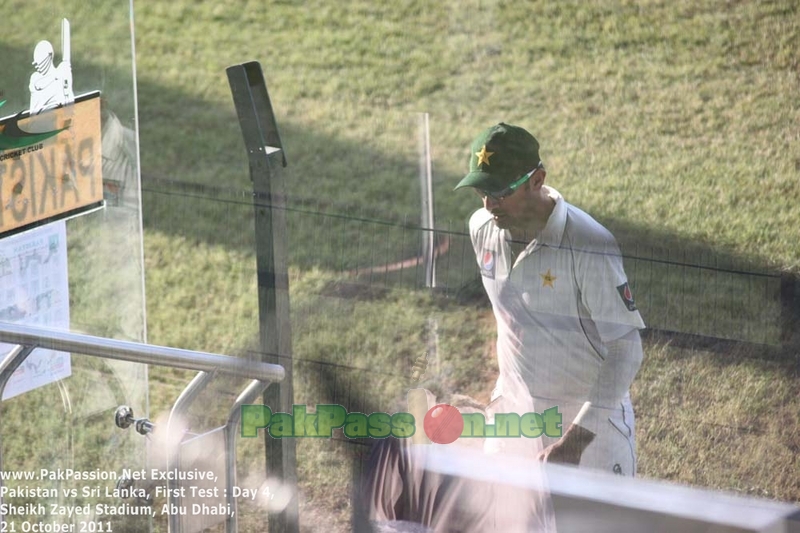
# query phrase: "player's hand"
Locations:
[[569, 448], [561, 453]]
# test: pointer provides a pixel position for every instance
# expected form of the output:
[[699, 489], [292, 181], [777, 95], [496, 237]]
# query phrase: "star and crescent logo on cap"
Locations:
[[483, 156]]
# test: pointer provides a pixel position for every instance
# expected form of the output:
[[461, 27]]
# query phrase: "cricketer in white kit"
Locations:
[[567, 324]]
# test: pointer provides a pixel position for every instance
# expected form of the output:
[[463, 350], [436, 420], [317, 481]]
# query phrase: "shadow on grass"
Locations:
[[345, 212], [355, 206]]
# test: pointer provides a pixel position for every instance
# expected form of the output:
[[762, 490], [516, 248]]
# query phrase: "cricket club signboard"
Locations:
[[50, 155], [50, 169], [50, 164]]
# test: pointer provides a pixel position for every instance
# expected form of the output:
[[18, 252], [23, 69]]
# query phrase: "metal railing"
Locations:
[[29, 338]]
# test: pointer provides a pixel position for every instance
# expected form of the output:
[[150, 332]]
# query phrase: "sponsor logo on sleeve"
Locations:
[[488, 263], [627, 296]]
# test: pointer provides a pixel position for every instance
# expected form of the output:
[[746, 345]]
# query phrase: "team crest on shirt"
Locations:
[[548, 279], [488, 263], [627, 296]]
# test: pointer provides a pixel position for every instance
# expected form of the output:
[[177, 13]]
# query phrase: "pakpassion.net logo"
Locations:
[[443, 423]]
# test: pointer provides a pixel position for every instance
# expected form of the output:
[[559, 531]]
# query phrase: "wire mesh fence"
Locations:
[[679, 288], [352, 348]]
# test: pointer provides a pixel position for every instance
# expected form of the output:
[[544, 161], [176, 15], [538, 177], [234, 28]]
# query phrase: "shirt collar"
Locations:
[[554, 229]]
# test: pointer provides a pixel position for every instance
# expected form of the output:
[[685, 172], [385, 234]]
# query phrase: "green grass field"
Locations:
[[675, 124]]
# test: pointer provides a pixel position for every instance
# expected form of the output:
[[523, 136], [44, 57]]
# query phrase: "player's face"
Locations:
[[513, 211], [506, 211]]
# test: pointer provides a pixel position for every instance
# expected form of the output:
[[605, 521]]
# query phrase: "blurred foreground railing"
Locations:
[[28, 339]]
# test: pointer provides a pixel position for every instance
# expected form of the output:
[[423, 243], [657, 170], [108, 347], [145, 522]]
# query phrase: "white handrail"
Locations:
[[136, 352]]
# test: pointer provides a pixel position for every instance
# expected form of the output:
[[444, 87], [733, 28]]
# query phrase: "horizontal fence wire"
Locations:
[[677, 289]]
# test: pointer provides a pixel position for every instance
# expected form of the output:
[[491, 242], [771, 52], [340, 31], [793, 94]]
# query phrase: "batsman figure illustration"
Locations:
[[51, 85]]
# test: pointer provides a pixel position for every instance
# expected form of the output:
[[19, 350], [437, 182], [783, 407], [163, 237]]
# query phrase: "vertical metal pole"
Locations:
[[266, 157], [426, 196], [176, 429], [428, 236], [248, 395]]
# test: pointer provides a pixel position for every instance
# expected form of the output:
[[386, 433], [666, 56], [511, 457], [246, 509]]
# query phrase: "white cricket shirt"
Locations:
[[556, 306]]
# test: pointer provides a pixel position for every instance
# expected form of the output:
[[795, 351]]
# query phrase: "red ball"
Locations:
[[443, 424]]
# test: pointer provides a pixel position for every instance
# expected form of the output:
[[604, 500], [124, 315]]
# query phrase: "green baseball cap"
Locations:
[[499, 156]]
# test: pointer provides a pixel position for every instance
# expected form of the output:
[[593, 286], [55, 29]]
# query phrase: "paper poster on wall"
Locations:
[[34, 290]]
